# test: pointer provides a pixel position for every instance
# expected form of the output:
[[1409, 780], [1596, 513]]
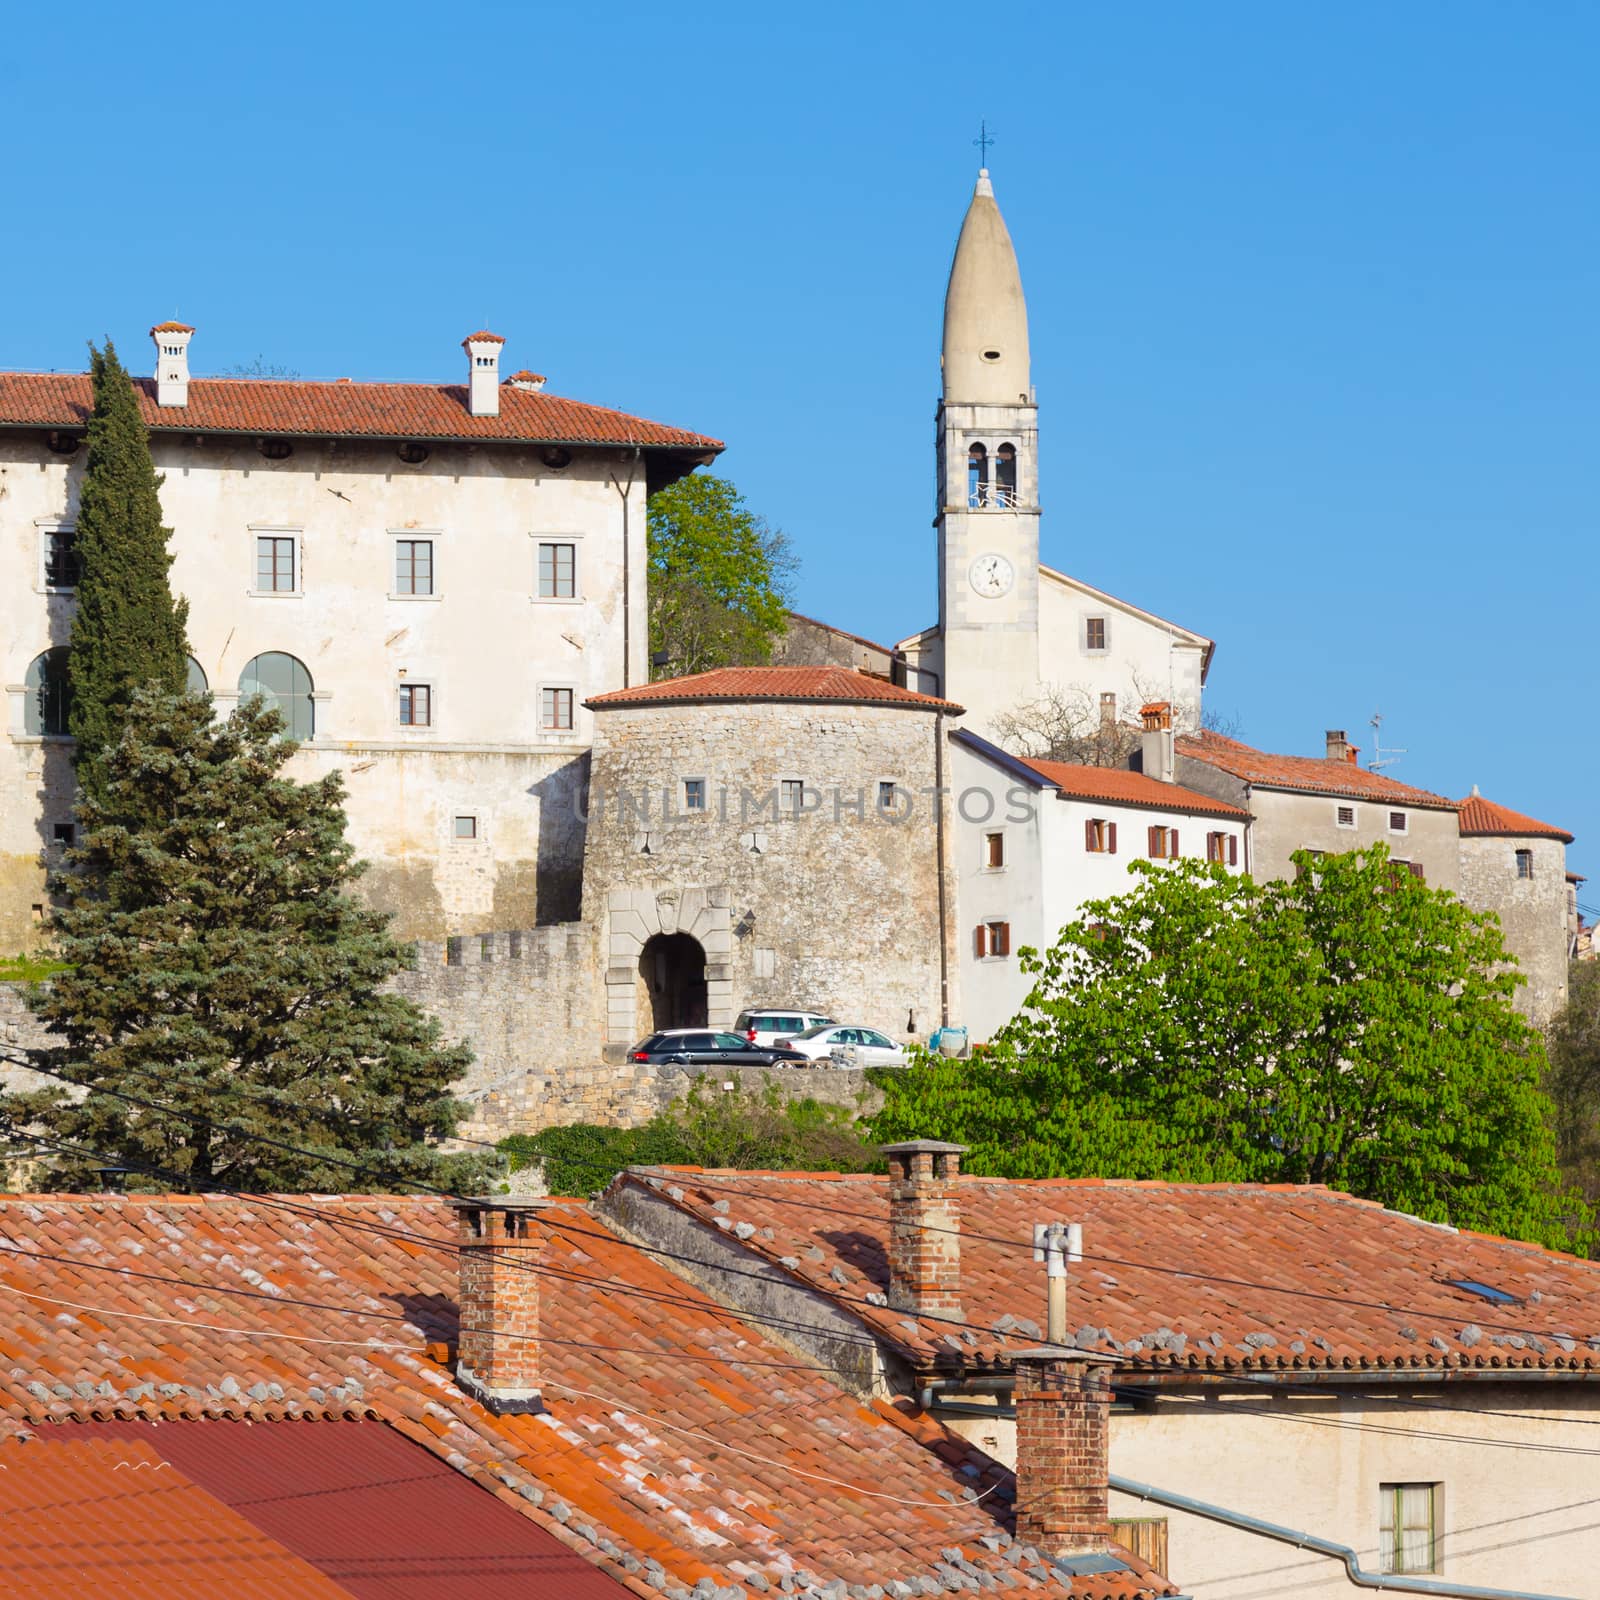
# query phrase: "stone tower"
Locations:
[[988, 505]]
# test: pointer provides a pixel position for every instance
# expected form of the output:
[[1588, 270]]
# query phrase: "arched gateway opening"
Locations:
[[672, 982]]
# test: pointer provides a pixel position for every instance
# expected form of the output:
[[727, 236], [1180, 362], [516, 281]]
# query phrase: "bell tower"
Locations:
[[988, 478]]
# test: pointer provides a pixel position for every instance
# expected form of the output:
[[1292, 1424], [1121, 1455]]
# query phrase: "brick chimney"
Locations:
[[1158, 759], [1340, 748], [483, 372], [172, 362], [924, 1227], [1063, 1400], [497, 1356]]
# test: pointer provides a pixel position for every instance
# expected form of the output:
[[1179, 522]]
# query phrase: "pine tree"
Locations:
[[128, 630], [219, 967]]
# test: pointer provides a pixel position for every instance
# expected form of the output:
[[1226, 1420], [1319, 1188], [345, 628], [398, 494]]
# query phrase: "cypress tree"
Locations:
[[128, 630], [219, 967]]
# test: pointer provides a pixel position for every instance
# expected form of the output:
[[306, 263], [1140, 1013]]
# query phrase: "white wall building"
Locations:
[[429, 578], [1034, 840]]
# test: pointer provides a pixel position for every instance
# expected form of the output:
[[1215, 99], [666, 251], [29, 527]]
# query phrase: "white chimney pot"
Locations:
[[483, 372], [172, 362]]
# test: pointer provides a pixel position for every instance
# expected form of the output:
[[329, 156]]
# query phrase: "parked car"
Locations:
[[767, 1027], [857, 1047], [704, 1047]]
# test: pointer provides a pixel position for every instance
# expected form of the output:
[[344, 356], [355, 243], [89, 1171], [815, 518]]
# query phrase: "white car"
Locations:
[[767, 1026], [855, 1047]]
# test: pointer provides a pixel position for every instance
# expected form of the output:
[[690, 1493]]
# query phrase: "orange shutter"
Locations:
[[980, 941], [1233, 849], [1172, 844], [1111, 837], [1003, 931]]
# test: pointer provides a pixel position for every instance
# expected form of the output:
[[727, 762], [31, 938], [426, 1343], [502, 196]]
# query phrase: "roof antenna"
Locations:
[[1382, 755]]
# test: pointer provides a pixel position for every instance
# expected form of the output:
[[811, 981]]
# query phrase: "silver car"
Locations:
[[853, 1047]]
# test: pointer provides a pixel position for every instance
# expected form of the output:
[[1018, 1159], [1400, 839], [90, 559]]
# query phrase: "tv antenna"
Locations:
[[1382, 755]]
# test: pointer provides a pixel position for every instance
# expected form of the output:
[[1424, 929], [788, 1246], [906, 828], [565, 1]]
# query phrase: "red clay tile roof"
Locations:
[[838, 684], [1483, 818], [82, 1516], [170, 327], [1313, 774], [376, 1515], [1121, 787], [1172, 1274], [482, 336], [676, 1435], [342, 409]]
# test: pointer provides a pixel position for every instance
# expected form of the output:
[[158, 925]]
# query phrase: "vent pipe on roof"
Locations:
[[1339, 747], [1056, 1244], [497, 1353], [172, 362], [1158, 758], [924, 1227], [483, 372]]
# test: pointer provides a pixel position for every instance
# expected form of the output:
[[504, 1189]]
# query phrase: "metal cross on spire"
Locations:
[[984, 140]]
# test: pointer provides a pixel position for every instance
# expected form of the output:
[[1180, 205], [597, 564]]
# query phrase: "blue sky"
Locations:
[[1313, 291]]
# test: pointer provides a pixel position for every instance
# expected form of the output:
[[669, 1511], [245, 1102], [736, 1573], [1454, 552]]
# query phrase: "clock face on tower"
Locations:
[[991, 576]]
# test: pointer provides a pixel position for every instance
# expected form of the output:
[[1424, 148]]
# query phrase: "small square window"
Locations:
[[1163, 844], [1524, 863], [555, 710], [558, 571], [64, 834], [1223, 848], [416, 705], [992, 940], [791, 796], [994, 851], [1397, 822], [413, 566], [1346, 816], [1094, 633], [466, 827], [1100, 836], [275, 564], [1408, 1527], [694, 794]]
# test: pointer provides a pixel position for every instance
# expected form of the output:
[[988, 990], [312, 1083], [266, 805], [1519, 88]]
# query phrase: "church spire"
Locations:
[[985, 357]]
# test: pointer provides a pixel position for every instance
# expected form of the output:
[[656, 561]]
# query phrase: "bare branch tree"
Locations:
[[1088, 727]]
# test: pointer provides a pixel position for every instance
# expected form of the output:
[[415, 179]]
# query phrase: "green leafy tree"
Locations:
[[1574, 1078], [128, 630], [1351, 1027], [218, 968], [719, 578], [710, 1127]]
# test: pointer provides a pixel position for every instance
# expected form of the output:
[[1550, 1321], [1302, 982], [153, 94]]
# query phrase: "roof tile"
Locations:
[[838, 684], [1483, 818], [1314, 774], [1123, 787]]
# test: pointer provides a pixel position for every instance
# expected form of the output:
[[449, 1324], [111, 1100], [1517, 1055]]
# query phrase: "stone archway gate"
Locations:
[[635, 915]]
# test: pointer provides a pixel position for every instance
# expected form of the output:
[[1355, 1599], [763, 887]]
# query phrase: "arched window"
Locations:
[[284, 682], [49, 699], [197, 682], [1005, 475], [977, 476]]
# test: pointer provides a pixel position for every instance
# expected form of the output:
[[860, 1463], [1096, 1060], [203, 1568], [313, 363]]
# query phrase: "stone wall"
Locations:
[[1532, 912], [20, 1032]]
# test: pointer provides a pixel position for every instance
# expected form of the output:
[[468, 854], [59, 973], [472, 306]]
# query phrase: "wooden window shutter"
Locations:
[[1417, 872], [1172, 844], [1111, 837], [1003, 938], [1088, 833], [980, 940], [1233, 849], [1154, 841]]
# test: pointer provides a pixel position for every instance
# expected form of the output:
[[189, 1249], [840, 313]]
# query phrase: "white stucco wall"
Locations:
[[484, 642], [1522, 1519]]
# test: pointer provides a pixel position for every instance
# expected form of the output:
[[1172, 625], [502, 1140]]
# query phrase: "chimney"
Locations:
[[924, 1227], [1340, 748], [1063, 1400], [497, 1356], [483, 372], [172, 362], [529, 382], [1158, 758], [1057, 1244]]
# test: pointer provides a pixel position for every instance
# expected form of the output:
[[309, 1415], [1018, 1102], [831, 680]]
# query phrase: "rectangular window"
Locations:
[[466, 827], [1094, 633], [61, 569], [555, 712], [888, 797], [1524, 863], [64, 834], [1163, 844], [694, 794], [1345, 816], [413, 566], [1408, 1527], [1223, 848], [275, 564], [992, 940], [416, 705], [791, 796], [1397, 822], [558, 571], [1100, 836], [994, 851]]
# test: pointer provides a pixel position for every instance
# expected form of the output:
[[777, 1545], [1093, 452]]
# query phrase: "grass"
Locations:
[[33, 968]]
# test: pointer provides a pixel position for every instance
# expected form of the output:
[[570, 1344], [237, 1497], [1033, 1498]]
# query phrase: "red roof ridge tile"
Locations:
[[1307, 774], [804, 684], [1481, 818]]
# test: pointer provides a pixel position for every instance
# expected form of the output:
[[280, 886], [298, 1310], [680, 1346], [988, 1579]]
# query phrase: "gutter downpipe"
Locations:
[[624, 490], [1323, 1547], [939, 854]]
